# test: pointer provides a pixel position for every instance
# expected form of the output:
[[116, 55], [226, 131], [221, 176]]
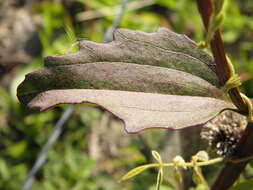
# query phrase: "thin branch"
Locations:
[[109, 34], [44, 152], [67, 113], [231, 171]]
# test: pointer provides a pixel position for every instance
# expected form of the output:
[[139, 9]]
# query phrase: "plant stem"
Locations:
[[187, 164], [222, 68], [231, 171], [161, 165]]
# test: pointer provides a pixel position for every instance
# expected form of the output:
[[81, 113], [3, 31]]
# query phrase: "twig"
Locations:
[[231, 171], [110, 11], [44, 152], [109, 33], [67, 113]]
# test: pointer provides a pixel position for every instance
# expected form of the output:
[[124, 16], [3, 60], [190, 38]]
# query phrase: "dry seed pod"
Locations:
[[224, 132]]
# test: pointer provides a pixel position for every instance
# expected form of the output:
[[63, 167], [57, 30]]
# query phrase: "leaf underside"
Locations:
[[149, 80], [139, 110]]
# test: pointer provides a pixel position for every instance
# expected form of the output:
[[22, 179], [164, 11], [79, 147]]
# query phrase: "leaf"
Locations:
[[177, 176], [155, 80], [115, 76], [134, 172], [163, 48], [139, 110], [157, 156], [202, 156], [178, 160], [197, 176]]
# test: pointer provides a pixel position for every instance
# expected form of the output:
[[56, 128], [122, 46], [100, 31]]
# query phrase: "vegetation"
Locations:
[[76, 161]]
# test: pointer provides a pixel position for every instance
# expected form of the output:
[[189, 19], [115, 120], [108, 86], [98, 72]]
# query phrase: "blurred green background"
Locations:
[[94, 151]]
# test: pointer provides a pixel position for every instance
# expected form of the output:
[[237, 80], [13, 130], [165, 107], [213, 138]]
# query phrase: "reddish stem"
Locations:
[[217, 47], [231, 171]]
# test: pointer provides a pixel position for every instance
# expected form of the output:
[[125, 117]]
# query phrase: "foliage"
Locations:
[[182, 68], [200, 159]]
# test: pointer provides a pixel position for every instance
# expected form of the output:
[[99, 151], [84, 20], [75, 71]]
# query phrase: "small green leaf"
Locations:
[[178, 160], [157, 156], [177, 175], [196, 176], [134, 172], [202, 156]]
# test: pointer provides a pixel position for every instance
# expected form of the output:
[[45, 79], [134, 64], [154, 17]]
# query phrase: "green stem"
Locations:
[[187, 164]]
